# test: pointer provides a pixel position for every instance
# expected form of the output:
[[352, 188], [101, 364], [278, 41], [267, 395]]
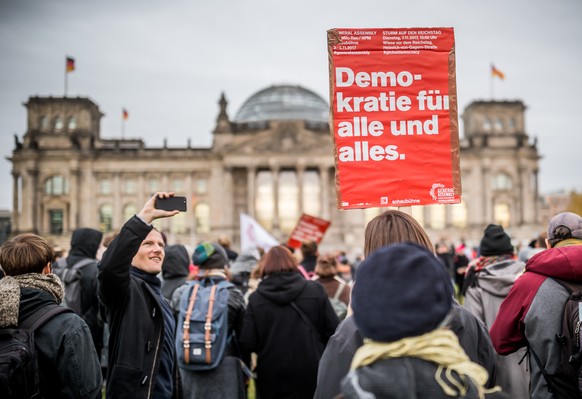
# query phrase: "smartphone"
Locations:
[[171, 204]]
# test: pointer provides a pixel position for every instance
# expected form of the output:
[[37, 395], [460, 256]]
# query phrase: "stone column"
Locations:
[[34, 203], [228, 205], [275, 174], [75, 196], [300, 185], [15, 202], [251, 183]]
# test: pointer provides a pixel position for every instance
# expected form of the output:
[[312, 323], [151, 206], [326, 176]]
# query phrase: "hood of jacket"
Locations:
[[176, 262], [85, 242], [497, 278], [564, 263], [282, 288]]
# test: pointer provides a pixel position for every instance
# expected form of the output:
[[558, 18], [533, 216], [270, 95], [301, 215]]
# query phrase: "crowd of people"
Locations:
[[412, 318]]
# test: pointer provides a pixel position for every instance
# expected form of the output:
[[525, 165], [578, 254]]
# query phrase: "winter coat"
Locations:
[[401, 378], [337, 357], [483, 299], [67, 360], [84, 245], [287, 353], [135, 318], [531, 314], [226, 381]]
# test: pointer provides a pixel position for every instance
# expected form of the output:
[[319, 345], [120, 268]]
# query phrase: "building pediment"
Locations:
[[285, 138]]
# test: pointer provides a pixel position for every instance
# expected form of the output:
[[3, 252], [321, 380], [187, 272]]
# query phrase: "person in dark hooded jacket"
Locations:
[[175, 269], [85, 243], [287, 324]]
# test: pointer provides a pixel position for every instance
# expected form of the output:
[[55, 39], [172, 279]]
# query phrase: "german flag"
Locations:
[[125, 114], [70, 65], [496, 72]]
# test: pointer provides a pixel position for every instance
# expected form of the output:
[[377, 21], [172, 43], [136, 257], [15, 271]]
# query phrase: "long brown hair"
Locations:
[[278, 259], [394, 226]]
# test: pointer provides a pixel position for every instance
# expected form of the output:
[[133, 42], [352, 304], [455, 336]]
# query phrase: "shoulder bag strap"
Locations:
[[186, 327], [306, 320]]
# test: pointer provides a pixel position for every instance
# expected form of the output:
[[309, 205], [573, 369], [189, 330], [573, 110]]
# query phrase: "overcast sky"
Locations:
[[167, 62]]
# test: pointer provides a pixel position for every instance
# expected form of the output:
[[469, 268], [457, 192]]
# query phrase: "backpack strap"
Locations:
[[76, 266], [543, 370], [42, 315], [186, 327], [339, 290], [208, 324]]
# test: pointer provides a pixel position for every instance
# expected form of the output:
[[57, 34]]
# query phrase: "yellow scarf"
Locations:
[[440, 346]]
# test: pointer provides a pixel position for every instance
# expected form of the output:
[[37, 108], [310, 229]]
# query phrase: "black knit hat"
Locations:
[[402, 291], [209, 255], [495, 241]]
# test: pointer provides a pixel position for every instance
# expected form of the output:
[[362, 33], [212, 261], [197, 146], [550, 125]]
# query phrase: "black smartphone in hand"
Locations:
[[171, 204]]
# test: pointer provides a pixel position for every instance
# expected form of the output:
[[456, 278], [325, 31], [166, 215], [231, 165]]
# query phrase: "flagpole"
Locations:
[[66, 80], [122, 127]]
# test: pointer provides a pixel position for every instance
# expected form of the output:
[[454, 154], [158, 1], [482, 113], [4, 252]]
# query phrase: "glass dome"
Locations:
[[283, 102]]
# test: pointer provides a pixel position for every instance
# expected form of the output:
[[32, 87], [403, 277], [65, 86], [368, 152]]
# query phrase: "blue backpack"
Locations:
[[203, 319]]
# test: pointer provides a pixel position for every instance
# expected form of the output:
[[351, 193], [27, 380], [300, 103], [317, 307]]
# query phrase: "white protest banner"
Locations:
[[253, 235]]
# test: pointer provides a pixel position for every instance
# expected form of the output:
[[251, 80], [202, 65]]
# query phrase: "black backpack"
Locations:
[[566, 382], [19, 376], [71, 278]]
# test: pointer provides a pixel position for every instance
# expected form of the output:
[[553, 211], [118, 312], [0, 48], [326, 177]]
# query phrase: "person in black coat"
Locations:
[[142, 355], [287, 324], [85, 243]]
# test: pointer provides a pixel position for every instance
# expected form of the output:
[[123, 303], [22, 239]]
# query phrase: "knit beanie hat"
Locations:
[[495, 241], [209, 255], [402, 291]]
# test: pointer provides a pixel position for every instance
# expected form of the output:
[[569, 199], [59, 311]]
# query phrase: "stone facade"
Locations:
[[66, 176]]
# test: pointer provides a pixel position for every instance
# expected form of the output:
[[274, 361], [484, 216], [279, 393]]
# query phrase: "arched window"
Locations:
[[264, 205], [202, 215], [72, 123], [498, 124], [502, 181], [56, 185], [59, 123], [43, 123], [106, 218], [288, 200], [486, 124], [153, 185]]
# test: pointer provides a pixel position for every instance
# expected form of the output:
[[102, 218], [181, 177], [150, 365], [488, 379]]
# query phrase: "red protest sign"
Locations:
[[308, 228], [394, 116]]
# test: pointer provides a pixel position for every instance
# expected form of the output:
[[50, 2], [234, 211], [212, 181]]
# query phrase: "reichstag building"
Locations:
[[273, 161]]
